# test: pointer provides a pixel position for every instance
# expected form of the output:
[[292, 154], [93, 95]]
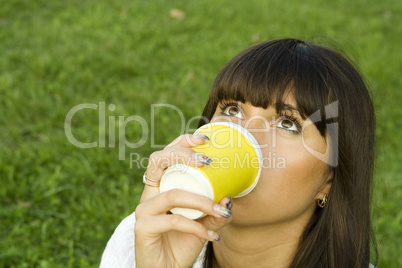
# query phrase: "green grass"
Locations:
[[60, 203]]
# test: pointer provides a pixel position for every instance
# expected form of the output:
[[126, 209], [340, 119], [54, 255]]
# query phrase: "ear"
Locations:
[[326, 186]]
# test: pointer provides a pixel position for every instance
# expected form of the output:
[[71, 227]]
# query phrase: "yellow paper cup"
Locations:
[[235, 168]]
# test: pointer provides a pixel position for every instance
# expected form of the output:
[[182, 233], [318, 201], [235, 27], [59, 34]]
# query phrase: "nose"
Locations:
[[259, 127]]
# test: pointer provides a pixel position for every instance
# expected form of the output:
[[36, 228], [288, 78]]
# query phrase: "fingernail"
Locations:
[[229, 204], [202, 158], [224, 212], [200, 136], [214, 235]]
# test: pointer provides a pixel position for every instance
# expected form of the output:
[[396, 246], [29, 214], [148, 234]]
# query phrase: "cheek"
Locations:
[[314, 141], [287, 187], [293, 175]]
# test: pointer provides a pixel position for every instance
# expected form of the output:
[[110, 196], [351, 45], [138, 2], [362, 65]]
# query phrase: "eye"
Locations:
[[289, 124], [232, 109]]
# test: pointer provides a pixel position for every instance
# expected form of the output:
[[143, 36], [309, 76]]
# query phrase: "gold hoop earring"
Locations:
[[323, 202]]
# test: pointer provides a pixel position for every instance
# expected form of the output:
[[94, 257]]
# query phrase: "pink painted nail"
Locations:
[[202, 158], [229, 204], [224, 212], [214, 235], [200, 136]]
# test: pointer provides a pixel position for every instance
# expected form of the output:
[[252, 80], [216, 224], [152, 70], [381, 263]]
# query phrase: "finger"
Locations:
[[216, 223], [154, 226], [175, 198], [188, 140], [160, 160]]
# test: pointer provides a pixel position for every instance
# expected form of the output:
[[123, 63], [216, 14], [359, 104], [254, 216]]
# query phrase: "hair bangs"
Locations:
[[275, 75]]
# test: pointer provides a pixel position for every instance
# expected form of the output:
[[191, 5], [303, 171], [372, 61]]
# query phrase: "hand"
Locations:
[[168, 240]]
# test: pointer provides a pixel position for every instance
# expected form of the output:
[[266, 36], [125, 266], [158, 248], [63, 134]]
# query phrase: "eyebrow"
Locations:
[[291, 108]]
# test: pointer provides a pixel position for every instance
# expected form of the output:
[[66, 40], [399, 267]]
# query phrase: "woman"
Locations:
[[304, 103]]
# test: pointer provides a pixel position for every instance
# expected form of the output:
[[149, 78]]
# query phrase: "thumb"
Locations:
[[215, 223]]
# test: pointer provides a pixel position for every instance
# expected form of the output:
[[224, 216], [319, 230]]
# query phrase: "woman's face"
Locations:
[[292, 179]]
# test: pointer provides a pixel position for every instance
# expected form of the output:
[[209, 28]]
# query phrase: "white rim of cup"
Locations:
[[194, 214], [253, 142], [192, 171]]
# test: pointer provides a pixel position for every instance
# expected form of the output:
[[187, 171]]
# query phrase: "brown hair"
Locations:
[[340, 234]]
